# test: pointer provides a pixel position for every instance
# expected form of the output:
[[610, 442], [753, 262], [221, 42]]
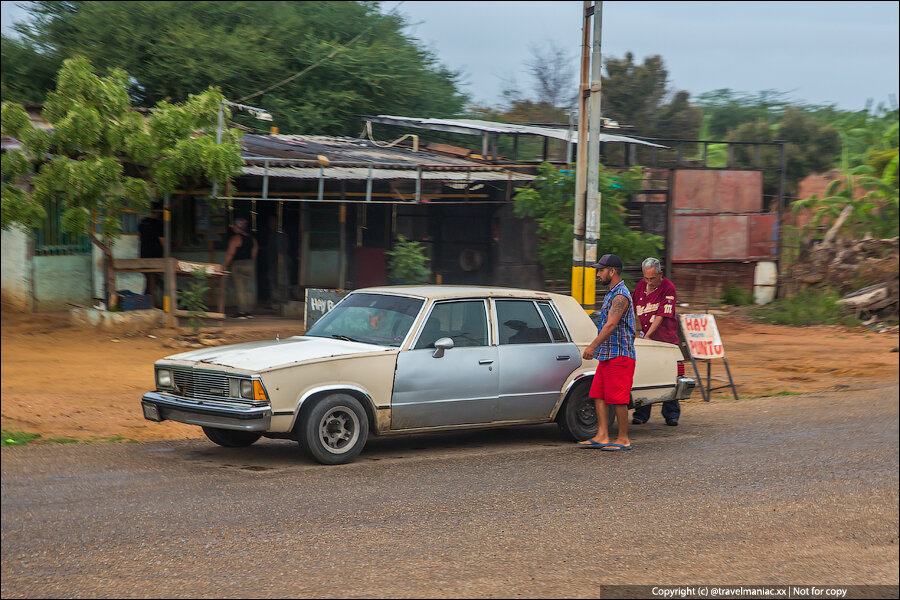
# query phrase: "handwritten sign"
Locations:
[[702, 336], [319, 302]]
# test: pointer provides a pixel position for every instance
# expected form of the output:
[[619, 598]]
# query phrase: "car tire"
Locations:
[[231, 438], [577, 418], [334, 430]]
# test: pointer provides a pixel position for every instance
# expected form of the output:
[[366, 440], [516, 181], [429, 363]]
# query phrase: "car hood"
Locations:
[[271, 354]]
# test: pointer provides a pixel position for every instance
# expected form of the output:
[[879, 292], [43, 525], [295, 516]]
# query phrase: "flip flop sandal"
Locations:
[[615, 447]]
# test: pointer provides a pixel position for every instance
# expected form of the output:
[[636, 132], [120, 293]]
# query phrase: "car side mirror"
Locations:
[[441, 345]]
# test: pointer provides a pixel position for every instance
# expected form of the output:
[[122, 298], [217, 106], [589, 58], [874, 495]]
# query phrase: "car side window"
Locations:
[[520, 323], [556, 330], [465, 322]]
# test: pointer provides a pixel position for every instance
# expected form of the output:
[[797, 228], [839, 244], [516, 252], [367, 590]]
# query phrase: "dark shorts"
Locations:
[[613, 380]]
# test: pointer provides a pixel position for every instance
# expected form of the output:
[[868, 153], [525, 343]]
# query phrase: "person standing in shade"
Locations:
[[654, 304], [614, 348], [241, 258], [151, 233]]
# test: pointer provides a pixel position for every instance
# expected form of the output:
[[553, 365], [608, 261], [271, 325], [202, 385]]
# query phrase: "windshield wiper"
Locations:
[[345, 338]]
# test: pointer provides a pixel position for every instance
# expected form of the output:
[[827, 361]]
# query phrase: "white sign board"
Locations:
[[702, 336]]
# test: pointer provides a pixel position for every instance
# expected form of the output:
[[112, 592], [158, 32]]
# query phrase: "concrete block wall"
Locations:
[[16, 277]]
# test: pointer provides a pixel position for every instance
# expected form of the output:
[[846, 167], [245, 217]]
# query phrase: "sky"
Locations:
[[842, 53]]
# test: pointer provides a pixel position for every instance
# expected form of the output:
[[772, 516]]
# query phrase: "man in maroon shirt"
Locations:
[[654, 304]]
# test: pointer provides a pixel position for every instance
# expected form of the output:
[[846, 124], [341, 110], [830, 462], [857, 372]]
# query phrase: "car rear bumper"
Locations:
[[158, 406], [684, 388]]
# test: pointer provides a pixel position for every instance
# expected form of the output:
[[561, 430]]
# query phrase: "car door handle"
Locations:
[[563, 357], [485, 361]]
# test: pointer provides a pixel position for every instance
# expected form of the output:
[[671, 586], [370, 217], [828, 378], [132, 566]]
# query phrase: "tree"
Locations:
[[812, 147], [102, 158], [27, 74], [550, 201], [172, 49], [639, 96], [725, 110]]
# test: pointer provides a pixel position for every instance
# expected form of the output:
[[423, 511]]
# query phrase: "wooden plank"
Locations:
[[209, 315]]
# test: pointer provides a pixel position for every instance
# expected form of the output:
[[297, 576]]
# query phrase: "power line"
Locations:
[[319, 62]]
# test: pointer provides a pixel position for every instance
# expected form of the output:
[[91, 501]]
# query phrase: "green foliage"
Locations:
[[95, 136], [26, 73], [550, 201], [638, 95], [736, 296], [407, 262], [873, 203], [10, 437], [173, 49], [193, 298], [724, 110], [807, 307], [813, 147]]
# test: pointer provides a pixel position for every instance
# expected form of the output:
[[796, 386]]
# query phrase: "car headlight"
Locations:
[[164, 379], [246, 389]]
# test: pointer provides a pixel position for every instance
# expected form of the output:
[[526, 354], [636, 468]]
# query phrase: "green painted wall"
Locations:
[[61, 279]]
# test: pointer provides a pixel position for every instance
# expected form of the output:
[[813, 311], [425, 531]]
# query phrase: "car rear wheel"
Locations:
[[231, 438], [334, 430], [578, 417]]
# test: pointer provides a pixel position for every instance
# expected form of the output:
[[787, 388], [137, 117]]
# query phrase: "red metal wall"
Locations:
[[717, 217]]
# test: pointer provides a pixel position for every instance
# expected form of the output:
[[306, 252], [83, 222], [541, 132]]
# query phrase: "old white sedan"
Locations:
[[405, 359]]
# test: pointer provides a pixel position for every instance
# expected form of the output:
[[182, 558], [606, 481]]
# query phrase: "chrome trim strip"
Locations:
[[463, 426], [565, 393], [334, 388], [487, 316], [653, 387]]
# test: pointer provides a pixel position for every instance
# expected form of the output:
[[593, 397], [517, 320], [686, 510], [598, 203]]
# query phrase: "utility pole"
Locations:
[[581, 158], [587, 167], [592, 202]]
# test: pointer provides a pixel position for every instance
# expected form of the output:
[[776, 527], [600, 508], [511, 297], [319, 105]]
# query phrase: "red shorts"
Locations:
[[613, 380]]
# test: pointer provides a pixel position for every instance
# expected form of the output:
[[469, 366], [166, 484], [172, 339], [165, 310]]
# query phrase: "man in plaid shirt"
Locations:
[[614, 348]]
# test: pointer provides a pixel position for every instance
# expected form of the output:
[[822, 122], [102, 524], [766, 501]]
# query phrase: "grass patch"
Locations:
[[736, 296], [16, 438], [781, 393], [807, 307], [21, 438]]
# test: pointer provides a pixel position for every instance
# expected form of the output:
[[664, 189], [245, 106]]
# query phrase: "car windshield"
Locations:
[[369, 318]]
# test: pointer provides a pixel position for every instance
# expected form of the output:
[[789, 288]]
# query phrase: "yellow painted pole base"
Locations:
[[584, 285]]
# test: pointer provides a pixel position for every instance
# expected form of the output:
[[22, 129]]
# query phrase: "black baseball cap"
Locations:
[[608, 260]]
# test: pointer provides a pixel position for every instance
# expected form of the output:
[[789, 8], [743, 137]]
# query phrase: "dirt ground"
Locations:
[[63, 381]]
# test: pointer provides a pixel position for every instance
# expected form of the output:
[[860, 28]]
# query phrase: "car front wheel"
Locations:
[[231, 438], [334, 430], [578, 417]]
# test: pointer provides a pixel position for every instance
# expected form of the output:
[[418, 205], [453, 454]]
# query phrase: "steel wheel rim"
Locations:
[[339, 430], [587, 412]]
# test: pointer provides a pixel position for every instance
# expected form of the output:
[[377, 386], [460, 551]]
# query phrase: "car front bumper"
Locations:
[[159, 406]]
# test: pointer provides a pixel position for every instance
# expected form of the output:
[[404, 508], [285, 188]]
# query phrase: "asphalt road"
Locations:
[[786, 490]]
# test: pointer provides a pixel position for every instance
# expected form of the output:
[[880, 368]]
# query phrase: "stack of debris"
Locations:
[[867, 269]]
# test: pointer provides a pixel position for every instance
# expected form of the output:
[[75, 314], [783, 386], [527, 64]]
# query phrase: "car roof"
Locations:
[[456, 291]]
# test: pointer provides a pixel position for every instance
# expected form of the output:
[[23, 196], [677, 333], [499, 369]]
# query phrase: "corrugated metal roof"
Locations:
[[342, 149], [362, 173], [468, 126]]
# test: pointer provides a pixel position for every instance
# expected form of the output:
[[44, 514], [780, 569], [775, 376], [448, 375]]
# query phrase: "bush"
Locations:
[[807, 307], [737, 296], [193, 298], [408, 263]]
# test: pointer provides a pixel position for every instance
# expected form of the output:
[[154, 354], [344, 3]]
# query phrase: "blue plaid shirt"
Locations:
[[621, 342]]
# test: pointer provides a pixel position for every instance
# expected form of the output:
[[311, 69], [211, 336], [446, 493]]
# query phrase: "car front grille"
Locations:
[[199, 384]]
